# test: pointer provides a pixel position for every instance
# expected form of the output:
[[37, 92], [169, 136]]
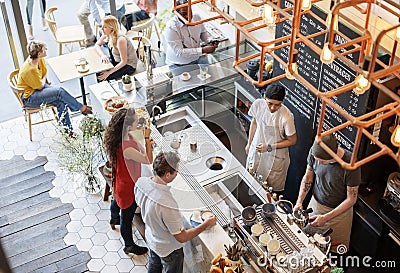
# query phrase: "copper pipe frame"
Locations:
[[361, 123]]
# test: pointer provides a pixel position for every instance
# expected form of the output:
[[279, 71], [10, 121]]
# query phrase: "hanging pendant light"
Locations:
[[361, 81], [293, 65], [326, 55], [269, 16], [306, 4], [395, 138]]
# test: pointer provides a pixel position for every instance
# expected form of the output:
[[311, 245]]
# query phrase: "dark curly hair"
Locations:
[[115, 132]]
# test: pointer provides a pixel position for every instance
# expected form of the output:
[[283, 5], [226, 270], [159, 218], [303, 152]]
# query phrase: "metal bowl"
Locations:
[[216, 163], [301, 217], [268, 209], [249, 216]]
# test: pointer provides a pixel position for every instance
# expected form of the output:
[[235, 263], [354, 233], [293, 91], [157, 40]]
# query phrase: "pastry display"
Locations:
[[115, 103]]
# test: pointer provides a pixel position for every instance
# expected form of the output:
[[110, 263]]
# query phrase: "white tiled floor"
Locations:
[[89, 228]]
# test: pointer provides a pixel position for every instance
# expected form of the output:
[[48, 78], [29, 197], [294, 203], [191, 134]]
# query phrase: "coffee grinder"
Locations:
[[390, 202]]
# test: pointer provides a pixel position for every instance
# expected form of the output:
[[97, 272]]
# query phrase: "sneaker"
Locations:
[[135, 249], [114, 222], [44, 24]]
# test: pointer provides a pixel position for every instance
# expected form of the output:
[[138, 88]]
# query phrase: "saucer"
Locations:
[[105, 95], [183, 78], [195, 222], [80, 70], [207, 77]]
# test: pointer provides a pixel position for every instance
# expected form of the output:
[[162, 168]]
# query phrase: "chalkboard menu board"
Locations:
[[305, 105]]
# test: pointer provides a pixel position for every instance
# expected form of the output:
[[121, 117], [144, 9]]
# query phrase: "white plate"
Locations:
[[185, 78], [105, 95]]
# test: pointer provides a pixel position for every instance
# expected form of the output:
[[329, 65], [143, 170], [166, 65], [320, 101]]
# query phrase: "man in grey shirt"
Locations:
[[334, 191], [165, 233]]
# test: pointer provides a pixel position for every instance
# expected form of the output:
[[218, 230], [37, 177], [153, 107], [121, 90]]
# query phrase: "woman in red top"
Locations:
[[126, 156]]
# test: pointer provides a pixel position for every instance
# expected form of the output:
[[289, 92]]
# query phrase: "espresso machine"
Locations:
[[390, 202]]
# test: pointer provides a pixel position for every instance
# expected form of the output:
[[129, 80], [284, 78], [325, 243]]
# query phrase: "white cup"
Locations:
[[273, 246], [257, 229], [264, 238]]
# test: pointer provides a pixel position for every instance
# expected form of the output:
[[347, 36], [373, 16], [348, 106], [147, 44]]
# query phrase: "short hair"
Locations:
[[319, 152], [275, 92], [34, 48], [165, 162]]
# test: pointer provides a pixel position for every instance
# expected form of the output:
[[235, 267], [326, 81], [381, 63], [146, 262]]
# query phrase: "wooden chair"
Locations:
[[12, 82], [64, 35], [139, 43], [145, 28]]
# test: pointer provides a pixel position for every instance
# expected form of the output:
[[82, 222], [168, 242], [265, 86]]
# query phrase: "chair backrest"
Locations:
[[12, 82], [145, 26], [51, 20], [140, 46]]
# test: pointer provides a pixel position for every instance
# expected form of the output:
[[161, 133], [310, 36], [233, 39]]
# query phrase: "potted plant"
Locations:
[[127, 82], [83, 153], [234, 252]]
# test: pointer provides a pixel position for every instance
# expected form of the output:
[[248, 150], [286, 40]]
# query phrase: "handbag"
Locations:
[[128, 19]]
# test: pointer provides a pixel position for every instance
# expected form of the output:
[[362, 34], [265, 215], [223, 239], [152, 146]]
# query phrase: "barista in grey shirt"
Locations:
[[334, 192]]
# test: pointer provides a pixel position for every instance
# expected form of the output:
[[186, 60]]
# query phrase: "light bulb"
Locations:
[[289, 75], [269, 16], [306, 4], [335, 22], [395, 138], [293, 65], [326, 55], [362, 84]]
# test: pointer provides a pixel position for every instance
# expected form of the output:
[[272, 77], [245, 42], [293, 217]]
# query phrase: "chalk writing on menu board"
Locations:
[[321, 76]]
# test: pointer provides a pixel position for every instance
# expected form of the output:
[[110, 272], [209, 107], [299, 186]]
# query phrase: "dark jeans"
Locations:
[[173, 263], [126, 69], [29, 9], [125, 220]]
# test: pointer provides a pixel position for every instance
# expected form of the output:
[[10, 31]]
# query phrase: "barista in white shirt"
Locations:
[[183, 41]]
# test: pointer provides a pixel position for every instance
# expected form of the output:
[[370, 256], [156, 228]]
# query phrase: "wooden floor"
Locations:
[[32, 224]]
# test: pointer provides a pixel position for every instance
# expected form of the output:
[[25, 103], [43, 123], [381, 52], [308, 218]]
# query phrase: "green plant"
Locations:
[[126, 79], [164, 16], [233, 252]]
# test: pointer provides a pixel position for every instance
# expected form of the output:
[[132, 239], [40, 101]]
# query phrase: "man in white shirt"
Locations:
[[165, 233], [183, 41], [91, 7]]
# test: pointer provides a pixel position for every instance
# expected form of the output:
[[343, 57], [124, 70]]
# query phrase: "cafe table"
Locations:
[[64, 66]]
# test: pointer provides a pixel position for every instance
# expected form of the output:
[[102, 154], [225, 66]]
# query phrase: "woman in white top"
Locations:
[[122, 53]]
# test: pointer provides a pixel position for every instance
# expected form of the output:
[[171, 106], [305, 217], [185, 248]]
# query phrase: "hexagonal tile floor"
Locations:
[[88, 228]]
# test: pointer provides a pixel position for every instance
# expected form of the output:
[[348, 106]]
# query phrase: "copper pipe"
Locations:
[[257, 4], [376, 45]]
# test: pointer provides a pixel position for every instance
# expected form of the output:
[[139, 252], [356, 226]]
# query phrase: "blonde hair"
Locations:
[[112, 22], [34, 48]]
